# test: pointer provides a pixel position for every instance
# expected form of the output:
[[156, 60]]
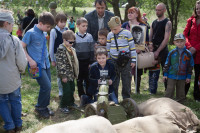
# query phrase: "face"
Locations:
[[68, 43], [116, 29], [102, 39], [198, 9], [44, 27], [61, 24], [132, 15], [180, 43], [8, 27], [82, 27], [100, 9], [160, 11], [101, 59], [137, 36]]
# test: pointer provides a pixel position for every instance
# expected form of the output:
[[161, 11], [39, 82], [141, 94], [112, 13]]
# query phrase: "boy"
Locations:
[[121, 41], [35, 42], [102, 38], [154, 73], [67, 66], [85, 52], [178, 69], [99, 69], [56, 40], [12, 63]]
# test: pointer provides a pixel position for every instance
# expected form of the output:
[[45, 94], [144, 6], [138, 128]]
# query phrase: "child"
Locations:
[[72, 24], [19, 32], [12, 63], [120, 41], [85, 52], [34, 42], [178, 69], [67, 66], [154, 73], [102, 38], [56, 40], [101, 68]]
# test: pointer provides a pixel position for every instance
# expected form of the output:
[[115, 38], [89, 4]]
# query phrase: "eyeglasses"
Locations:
[[71, 42]]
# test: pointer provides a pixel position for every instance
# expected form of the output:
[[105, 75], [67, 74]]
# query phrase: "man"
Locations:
[[137, 34], [98, 19], [52, 7], [160, 33]]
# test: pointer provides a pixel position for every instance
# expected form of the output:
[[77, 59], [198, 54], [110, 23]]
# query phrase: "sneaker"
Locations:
[[64, 110], [51, 113], [18, 129], [42, 113]]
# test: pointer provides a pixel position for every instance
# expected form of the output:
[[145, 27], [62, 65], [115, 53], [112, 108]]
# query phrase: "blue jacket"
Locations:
[[93, 26], [178, 66], [94, 76]]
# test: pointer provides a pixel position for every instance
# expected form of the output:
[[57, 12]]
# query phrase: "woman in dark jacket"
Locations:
[[27, 21], [192, 35]]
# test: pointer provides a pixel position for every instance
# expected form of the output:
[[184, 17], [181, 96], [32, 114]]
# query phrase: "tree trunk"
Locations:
[[131, 3]]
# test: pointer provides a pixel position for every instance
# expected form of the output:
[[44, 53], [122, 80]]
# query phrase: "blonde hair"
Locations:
[[81, 20], [101, 51]]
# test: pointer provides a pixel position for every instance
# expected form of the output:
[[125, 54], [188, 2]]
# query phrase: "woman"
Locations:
[[192, 34], [135, 18], [72, 25], [29, 21]]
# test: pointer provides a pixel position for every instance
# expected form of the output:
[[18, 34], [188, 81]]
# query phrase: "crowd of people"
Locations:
[[102, 47]]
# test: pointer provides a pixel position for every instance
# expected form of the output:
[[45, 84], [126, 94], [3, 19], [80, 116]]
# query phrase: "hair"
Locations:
[[68, 34], [137, 10], [46, 18], [137, 29], [195, 12], [30, 13], [100, 2], [60, 17], [81, 20], [101, 51], [103, 32]]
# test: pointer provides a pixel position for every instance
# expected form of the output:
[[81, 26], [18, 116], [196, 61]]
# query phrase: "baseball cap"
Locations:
[[179, 37], [114, 21], [6, 15]]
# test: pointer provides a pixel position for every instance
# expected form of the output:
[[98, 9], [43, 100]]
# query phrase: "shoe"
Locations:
[[74, 105], [10, 131], [51, 113], [43, 113], [64, 110], [18, 129]]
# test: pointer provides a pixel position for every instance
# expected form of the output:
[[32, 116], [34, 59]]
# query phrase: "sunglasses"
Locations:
[[71, 42]]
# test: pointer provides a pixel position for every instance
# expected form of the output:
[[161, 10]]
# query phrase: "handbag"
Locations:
[[146, 59], [27, 26], [36, 72], [123, 56]]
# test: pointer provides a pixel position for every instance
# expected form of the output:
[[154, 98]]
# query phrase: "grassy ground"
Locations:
[[30, 90]]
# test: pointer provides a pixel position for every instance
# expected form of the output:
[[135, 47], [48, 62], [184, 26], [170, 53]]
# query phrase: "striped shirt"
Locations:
[[125, 43]]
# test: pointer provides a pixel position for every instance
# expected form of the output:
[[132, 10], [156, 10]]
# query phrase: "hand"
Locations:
[[53, 63], [138, 51], [110, 82], [32, 64], [132, 65], [192, 50], [156, 53], [187, 81], [99, 81], [64, 80], [164, 78]]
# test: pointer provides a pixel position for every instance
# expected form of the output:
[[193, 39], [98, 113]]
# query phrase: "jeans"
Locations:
[[45, 89], [10, 109], [153, 81]]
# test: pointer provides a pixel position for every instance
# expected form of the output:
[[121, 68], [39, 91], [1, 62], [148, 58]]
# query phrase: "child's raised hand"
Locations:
[[110, 82], [64, 80], [164, 78], [187, 81]]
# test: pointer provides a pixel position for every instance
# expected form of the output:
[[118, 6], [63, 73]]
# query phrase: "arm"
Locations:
[[132, 49], [93, 81], [190, 67], [108, 45], [91, 50], [168, 29], [151, 34], [51, 46], [167, 65], [186, 32], [112, 72]]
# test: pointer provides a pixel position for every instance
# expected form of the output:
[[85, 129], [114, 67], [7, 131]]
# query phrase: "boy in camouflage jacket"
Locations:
[[68, 69]]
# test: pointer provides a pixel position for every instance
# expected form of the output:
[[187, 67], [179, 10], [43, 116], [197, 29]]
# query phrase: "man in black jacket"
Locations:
[[98, 19]]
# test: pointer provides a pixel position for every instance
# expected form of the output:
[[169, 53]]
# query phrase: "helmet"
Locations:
[[52, 5]]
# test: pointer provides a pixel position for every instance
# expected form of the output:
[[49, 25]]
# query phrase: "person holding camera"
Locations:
[[121, 50]]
